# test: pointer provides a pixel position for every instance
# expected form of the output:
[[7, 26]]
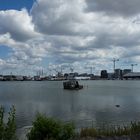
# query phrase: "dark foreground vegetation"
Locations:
[[7, 129], [49, 129], [45, 128]]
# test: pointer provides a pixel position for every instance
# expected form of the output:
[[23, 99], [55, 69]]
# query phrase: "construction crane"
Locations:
[[114, 63], [71, 68], [132, 65], [91, 69]]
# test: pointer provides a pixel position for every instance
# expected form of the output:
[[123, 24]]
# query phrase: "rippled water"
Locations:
[[95, 103]]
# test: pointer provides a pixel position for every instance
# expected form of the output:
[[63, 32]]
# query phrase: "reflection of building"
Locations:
[[118, 74], [132, 75]]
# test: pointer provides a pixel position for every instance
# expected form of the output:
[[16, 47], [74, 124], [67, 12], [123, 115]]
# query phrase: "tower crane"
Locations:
[[132, 65], [114, 63]]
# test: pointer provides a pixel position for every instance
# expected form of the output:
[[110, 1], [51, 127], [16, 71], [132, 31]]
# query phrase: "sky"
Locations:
[[57, 35]]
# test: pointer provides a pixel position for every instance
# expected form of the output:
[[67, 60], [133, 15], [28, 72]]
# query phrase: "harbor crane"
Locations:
[[91, 69], [71, 68], [132, 65], [114, 63]]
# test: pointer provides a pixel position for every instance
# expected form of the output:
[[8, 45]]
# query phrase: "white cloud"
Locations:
[[58, 17], [18, 24], [69, 34]]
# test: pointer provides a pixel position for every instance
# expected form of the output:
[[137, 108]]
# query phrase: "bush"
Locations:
[[8, 130], [50, 129]]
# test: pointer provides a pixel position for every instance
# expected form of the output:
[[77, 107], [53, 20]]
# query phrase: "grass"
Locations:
[[132, 129], [44, 127]]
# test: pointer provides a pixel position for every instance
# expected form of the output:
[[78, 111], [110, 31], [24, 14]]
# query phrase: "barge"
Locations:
[[72, 85]]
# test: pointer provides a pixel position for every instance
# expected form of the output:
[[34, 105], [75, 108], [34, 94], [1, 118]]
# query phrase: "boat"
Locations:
[[72, 85]]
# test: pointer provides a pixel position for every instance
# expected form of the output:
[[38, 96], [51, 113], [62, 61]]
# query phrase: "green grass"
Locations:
[[132, 129]]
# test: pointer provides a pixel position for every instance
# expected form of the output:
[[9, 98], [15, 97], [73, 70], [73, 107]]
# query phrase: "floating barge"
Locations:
[[72, 85]]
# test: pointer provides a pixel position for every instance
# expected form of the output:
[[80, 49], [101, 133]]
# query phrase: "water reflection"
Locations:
[[95, 102]]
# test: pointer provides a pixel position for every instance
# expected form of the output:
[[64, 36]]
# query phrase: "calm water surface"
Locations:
[[95, 103]]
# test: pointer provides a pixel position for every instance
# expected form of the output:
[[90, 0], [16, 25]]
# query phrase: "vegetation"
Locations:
[[45, 128], [50, 129], [132, 129], [7, 130]]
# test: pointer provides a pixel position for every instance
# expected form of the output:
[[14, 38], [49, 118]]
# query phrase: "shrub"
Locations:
[[8, 130], [50, 129]]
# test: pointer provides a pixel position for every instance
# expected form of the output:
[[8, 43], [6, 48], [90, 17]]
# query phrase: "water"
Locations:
[[93, 105]]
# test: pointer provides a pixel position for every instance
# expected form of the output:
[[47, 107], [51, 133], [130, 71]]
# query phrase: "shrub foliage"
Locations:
[[49, 129], [7, 130]]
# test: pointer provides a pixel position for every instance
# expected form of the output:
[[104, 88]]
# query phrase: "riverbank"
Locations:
[[131, 132], [136, 137], [22, 136]]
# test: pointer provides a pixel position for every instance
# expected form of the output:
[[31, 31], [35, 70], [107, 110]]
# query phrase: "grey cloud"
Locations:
[[123, 8], [116, 40]]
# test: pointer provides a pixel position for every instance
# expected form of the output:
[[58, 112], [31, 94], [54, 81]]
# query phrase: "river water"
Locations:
[[94, 105]]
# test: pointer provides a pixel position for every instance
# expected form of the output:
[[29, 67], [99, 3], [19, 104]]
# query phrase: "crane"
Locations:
[[114, 62], [71, 68], [91, 69], [132, 65]]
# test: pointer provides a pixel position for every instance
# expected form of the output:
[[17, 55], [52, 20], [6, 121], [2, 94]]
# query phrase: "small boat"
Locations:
[[72, 85]]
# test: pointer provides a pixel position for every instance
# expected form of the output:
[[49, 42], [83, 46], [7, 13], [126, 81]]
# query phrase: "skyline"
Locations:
[[46, 35]]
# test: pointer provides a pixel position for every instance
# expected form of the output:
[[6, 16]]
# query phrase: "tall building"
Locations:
[[104, 74], [118, 74]]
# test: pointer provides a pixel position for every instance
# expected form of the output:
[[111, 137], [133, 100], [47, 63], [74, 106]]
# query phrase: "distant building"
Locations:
[[76, 74], [37, 78], [104, 74], [118, 74], [19, 78], [9, 77], [132, 75], [1, 78], [28, 78], [70, 76], [82, 78], [110, 76], [125, 71], [83, 74]]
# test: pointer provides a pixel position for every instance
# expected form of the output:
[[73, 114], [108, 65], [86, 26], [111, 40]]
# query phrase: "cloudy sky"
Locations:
[[55, 34]]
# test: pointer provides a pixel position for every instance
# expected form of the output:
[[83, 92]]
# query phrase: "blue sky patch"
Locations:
[[4, 52], [16, 4]]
